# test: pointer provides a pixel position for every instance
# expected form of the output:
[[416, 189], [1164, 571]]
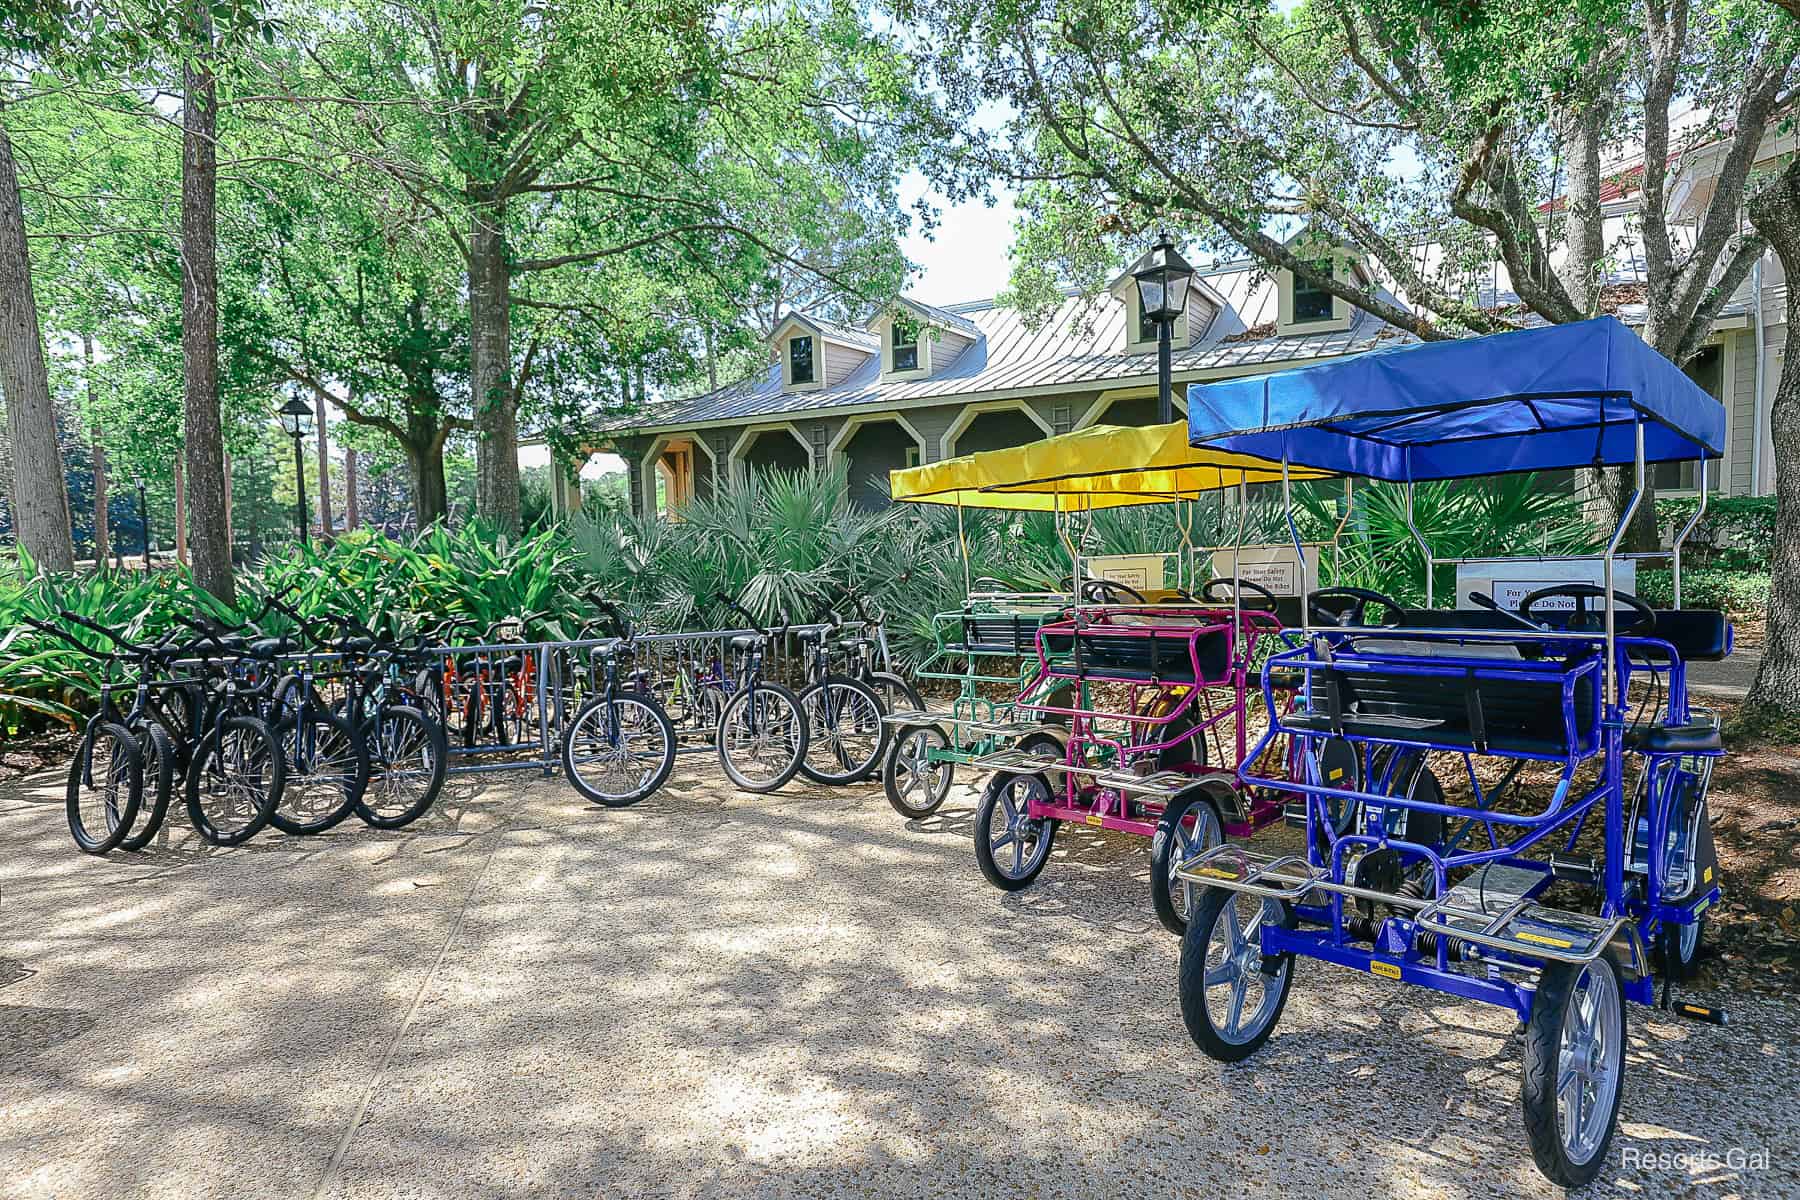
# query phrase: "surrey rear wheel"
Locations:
[[1574, 1068], [916, 784], [1231, 996], [1189, 825]]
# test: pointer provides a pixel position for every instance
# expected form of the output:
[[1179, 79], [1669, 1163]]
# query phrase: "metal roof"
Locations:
[[1079, 347]]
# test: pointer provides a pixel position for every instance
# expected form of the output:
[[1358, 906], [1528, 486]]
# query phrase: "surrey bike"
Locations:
[[1527, 712], [620, 746], [762, 731]]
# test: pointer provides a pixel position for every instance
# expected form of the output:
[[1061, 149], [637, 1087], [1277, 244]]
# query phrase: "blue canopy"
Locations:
[[1535, 400]]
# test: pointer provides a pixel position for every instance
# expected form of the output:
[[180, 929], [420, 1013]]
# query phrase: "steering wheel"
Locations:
[[1350, 606], [1210, 589], [1587, 620], [1108, 591]]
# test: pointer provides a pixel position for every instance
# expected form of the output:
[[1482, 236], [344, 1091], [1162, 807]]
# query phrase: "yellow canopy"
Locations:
[[1103, 466]]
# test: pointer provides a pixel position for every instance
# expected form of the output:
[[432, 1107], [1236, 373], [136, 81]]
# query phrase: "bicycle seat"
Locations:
[[745, 641], [813, 634], [512, 663], [357, 645], [269, 647]]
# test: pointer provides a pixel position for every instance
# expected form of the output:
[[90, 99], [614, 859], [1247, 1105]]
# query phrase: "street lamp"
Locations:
[[137, 478], [297, 420], [1162, 285]]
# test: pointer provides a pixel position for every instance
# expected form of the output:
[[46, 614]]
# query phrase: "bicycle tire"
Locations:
[[157, 751], [833, 755], [123, 767], [237, 746], [327, 771], [766, 696], [387, 744], [590, 723], [894, 692]]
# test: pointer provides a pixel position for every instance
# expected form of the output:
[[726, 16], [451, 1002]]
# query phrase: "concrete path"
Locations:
[[1729, 678], [718, 995]]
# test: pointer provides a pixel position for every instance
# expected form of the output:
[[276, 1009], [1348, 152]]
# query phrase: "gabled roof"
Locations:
[[934, 315], [831, 331]]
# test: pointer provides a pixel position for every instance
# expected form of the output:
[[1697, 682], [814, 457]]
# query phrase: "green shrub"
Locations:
[[1731, 591], [1736, 534]]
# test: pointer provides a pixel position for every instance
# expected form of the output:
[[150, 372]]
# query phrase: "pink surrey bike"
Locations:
[[1153, 747]]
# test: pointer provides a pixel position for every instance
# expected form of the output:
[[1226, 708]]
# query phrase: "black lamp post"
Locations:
[[137, 477], [297, 420], [1162, 285]]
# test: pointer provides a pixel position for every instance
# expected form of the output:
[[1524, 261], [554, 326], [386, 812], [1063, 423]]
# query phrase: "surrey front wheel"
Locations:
[[616, 752], [762, 737], [915, 783], [1574, 1068], [106, 785], [845, 736], [1231, 995], [1189, 825], [1011, 845]]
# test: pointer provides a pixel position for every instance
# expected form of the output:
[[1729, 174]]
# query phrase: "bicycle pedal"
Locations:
[[1688, 1010]]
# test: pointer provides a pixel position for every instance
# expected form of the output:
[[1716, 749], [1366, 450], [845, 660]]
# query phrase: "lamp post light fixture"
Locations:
[[1162, 285], [137, 479], [297, 421]]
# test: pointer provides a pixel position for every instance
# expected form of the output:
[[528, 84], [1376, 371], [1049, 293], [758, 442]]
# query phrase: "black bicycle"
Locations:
[[762, 732], [620, 746], [845, 735]]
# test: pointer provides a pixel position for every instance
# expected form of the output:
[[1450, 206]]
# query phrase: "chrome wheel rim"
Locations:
[[1017, 841], [1240, 1000], [915, 773], [624, 759], [1202, 834], [760, 735], [1588, 1062]]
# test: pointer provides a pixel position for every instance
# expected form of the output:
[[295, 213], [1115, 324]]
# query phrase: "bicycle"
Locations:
[[620, 747], [762, 733], [845, 735]]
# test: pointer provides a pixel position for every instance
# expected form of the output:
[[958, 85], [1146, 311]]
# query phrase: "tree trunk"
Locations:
[[202, 434], [230, 533], [181, 514], [325, 525], [490, 372], [1775, 212], [425, 471], [352, 518], [102, 521], [40, 490]]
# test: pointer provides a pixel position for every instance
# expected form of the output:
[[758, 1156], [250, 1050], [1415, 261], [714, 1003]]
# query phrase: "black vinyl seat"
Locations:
[[998, 633], [1164, 658], [1460, 710], [1697, 738]]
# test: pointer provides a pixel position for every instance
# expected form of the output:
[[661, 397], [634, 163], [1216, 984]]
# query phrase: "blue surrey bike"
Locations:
[[1505, 806]]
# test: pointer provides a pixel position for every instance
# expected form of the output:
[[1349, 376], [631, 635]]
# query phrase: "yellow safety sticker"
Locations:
[[1215, 872], [1706, 875], [1095, 819], [1540, 939], [1386, 970], [1335, 774]]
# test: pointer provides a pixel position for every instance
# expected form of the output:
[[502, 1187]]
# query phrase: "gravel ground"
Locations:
[[720, 995]]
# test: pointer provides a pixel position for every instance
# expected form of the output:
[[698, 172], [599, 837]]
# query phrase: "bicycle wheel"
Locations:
[[234, 782], [845, 738], [895, 693], [616, 753], [327, 769], [762, 737], [157, 751], [106, 785], [408, 755]]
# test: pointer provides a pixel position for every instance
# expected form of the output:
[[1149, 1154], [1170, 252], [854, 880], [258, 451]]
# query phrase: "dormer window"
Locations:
[[1313, 303], [904, 354], [800, 359]]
